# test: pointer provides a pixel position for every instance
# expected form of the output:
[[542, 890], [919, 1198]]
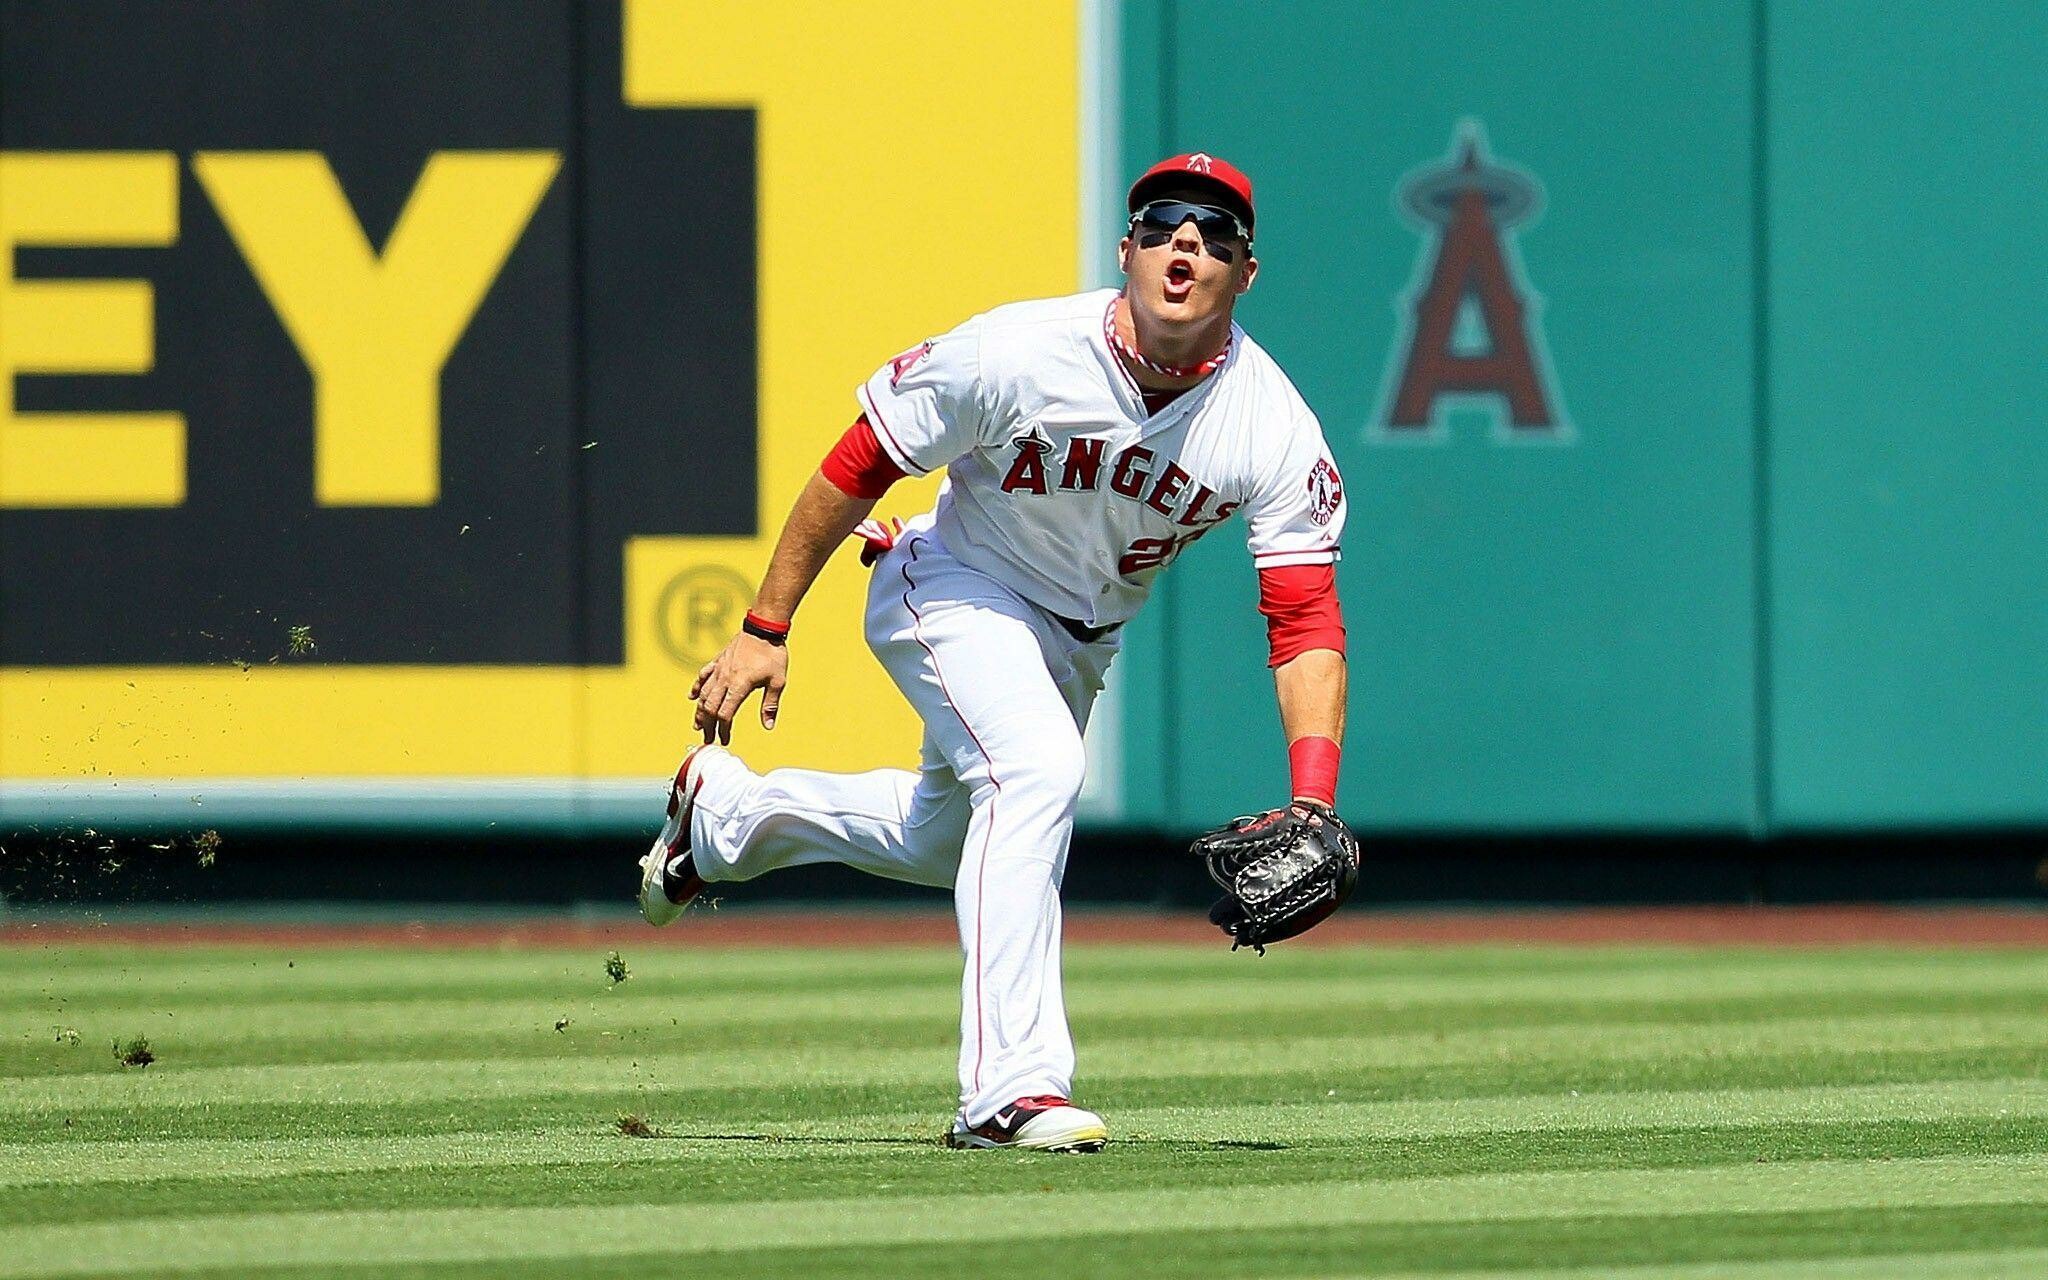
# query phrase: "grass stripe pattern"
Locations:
[[1451, 1112]]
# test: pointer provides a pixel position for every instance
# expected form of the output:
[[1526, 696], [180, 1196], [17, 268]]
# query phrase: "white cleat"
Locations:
[[1046, 1123], [668, 875]]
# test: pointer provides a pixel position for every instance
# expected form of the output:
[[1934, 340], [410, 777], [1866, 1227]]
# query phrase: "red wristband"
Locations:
[[1312, 761], [762, 629]]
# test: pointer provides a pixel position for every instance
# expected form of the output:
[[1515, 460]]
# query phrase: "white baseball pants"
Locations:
[[1004, 692]]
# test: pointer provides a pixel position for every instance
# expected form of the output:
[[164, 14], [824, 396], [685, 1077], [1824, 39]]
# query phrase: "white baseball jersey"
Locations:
[[1061, 485]]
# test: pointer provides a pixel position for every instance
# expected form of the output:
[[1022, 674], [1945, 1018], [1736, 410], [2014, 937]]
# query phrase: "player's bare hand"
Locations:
[[727, 681]]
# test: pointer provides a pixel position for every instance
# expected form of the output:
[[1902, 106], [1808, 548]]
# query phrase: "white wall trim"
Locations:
[[1100, 119]]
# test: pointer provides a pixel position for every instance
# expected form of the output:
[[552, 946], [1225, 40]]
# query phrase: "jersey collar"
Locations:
[[1128, 396]]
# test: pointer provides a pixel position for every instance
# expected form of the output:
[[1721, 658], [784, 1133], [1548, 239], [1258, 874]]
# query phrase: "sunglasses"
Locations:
[[1155, 224]]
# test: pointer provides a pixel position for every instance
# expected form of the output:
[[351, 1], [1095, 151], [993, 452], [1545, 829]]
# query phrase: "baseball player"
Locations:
[[1086, 441]]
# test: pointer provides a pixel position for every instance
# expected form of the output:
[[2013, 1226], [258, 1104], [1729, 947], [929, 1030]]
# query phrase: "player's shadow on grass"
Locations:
[[773, 1139]]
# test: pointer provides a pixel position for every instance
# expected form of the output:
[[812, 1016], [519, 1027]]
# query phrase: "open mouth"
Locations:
[[1180, 280]]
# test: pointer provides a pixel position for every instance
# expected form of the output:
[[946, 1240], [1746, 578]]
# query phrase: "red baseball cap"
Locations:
[[1197, 168]]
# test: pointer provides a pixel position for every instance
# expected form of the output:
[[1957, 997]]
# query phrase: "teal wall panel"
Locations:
[[1908, 443], [1143, 672], [1544, 634]]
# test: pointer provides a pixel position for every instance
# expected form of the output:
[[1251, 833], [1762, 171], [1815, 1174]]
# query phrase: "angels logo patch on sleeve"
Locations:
[[900, 365], [1326, 491]]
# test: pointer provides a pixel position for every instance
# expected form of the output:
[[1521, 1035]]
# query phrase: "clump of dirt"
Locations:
[[615, 968], [633, 1126], [134, 1053]]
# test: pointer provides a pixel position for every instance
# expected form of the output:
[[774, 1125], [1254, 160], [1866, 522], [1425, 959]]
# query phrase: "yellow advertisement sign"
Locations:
[[901, 186]]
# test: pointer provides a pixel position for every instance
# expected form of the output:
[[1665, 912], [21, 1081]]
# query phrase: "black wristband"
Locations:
[[765, 631]]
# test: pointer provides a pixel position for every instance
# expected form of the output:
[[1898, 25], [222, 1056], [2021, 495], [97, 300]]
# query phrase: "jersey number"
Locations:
[[1153, 553]]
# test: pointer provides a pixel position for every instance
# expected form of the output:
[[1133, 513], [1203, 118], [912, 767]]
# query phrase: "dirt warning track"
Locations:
[[1829, 926]]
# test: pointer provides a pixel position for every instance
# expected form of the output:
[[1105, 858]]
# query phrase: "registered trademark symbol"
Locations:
[[699, 611]]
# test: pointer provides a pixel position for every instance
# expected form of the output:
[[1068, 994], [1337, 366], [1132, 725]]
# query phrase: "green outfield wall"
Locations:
[[400, 402], [1773, 558], [1907, 436]]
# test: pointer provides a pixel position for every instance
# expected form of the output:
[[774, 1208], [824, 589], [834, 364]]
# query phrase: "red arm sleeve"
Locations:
[[857, 467], [1300, 604]]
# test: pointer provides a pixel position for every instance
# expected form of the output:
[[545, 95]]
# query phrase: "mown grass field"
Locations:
[[1533, 1112]]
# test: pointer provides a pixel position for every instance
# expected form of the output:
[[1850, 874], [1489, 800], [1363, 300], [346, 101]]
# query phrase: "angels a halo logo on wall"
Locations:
[[1470, 330]]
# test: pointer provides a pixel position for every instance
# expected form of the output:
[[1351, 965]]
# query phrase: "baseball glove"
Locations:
[[1283, 872]]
